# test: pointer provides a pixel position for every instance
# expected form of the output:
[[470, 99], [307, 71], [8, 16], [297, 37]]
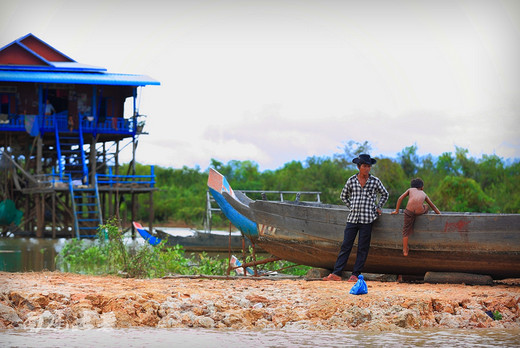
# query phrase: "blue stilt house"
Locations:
[[62, 127]]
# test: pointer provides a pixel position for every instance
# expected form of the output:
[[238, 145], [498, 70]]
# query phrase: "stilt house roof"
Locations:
[[29, 59]]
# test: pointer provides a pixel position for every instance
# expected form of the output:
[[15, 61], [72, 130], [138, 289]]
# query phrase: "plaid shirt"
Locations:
[[362, 200]]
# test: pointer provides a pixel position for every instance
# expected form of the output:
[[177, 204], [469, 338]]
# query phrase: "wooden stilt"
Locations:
[[54, 214], [151, 214]]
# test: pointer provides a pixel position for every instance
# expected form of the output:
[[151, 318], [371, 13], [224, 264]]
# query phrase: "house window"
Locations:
[[4, 103]]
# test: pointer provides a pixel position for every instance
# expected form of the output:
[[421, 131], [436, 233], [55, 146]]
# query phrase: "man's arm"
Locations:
[[384, 196], [345, 194]]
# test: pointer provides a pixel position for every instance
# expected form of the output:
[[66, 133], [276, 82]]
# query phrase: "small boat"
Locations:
[[310, 233], [197, 241]]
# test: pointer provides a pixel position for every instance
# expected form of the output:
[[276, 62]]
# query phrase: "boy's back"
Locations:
[[416, 198], [414, 208]]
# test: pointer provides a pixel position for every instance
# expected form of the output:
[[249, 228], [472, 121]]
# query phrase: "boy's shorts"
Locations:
[[409, 220]]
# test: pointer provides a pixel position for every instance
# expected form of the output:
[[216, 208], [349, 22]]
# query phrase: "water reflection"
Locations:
[[140, 337], [29, 254]]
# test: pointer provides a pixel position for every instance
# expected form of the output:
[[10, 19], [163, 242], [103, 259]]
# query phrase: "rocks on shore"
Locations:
[[61, 300]]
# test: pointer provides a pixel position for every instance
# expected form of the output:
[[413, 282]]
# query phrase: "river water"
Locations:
[[146, 337]]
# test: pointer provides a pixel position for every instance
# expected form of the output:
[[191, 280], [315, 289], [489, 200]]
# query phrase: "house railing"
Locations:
[[265, 195], [48, 123], [113, 180]]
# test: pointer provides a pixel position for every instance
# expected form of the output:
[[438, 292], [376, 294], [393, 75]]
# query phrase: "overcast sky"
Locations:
[[276, 81]]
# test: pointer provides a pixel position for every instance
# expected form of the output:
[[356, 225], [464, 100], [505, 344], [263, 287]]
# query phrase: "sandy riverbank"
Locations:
[[63, 300]]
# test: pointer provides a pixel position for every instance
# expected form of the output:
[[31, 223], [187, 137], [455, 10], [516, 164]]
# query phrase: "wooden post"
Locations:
[[53, 214], [39, 215], [151, 217], [134, 213], [103, 197], [134, 207], [118, 216], [39, 155], [68, 202], [40, 201], [110, 204], [116, 159], [92, 160]]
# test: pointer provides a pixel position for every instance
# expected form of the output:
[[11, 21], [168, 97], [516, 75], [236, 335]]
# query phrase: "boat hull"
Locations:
[[392, 261], [311, 234], [208, 242]]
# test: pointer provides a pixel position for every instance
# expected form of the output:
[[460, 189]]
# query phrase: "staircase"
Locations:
[[71, 156], [86, 208], [72, 166]]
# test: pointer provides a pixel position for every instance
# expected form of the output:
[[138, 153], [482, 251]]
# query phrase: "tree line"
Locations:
[[454, 181]]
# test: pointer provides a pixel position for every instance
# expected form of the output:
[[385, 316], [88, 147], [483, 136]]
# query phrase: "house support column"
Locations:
[[40, 198], [134, 203], [92, 160], [40, 212], [151, 215], [54, 214], [39, 146]]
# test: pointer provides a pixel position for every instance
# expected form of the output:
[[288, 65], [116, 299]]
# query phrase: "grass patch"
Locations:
[[112, 253]]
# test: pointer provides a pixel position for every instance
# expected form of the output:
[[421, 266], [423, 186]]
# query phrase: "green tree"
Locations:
[[505, 192], [446, 165], [468, 166], [393, 177], [409, 160], [325, 175], [490, 171], [461, 195]]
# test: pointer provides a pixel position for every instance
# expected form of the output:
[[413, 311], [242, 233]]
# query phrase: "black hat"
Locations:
[[364, 158]]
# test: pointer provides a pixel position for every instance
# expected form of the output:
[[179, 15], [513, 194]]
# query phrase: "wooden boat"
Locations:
[[311, 234], [198, 241]]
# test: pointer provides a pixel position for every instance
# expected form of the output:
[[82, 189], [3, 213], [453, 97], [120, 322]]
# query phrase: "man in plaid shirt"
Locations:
[[359, 194]]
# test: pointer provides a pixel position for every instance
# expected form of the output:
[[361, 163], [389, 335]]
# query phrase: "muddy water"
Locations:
[[147, 337]]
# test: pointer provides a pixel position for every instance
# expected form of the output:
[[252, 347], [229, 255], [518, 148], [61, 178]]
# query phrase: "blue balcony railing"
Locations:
[[136, 181], [35, 124], [126, 180]]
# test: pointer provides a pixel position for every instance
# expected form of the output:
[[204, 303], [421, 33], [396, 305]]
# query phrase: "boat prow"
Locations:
[[218, 187], [151, 239]]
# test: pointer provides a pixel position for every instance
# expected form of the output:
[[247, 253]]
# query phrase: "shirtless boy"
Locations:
[[414, 208]]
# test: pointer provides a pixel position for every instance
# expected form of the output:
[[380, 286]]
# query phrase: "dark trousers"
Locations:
[[365, 234]]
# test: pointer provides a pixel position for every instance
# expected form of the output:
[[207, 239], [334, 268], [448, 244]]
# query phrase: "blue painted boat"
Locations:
[[217, 185]]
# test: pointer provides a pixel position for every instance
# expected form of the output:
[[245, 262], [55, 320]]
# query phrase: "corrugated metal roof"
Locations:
[[77, 78], [54, 67]]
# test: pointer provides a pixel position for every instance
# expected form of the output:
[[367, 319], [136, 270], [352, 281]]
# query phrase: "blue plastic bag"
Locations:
[[360, 288]]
